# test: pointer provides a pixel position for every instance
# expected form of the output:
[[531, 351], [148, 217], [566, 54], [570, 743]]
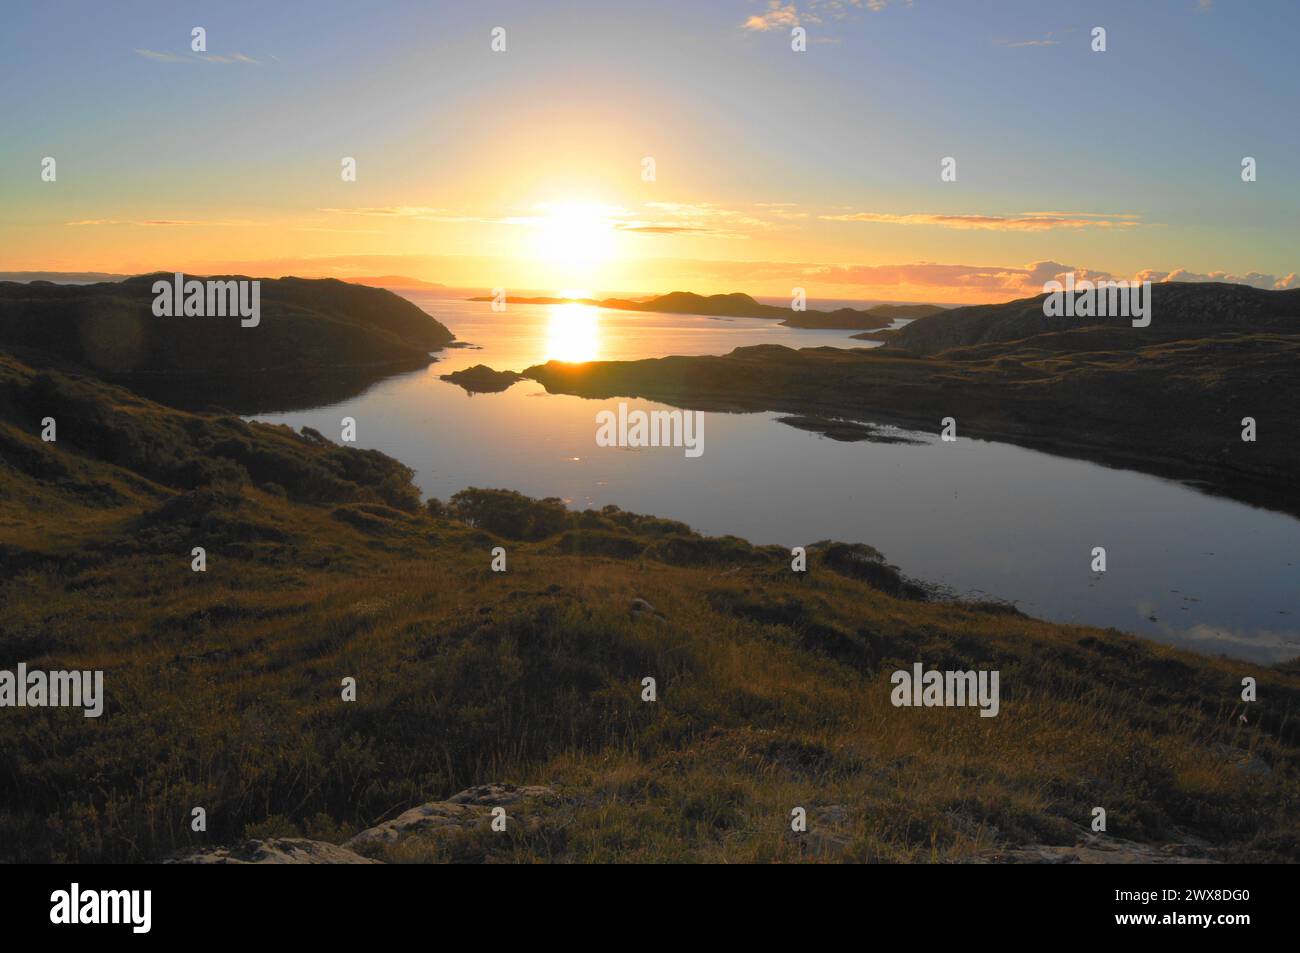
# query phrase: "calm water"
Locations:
[[981, 518]]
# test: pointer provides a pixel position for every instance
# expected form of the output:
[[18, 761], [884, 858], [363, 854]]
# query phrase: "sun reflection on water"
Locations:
[[573, 333]]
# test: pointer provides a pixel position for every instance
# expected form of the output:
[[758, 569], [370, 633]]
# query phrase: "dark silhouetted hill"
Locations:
[[318, 340]]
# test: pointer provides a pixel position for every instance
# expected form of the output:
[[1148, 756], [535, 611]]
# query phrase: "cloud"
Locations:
[[777, 16], [399, 211], [162, 57], [189, 57], [941, 281], [1024, 222], [783, 16], [698, 219], [659, 229], [231, 58], [423, 213], [165, 221], [654, 218], [1046, 41], [1255, 279]]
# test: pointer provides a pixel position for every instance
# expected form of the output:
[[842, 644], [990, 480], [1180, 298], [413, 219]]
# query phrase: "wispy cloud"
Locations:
[[652, 218], [784, 15], [777, 16], [1045, 41], [162, 57], [189, 57], [652, 229], [395, 211], [1023, 222], [423, 213], [166, 222]]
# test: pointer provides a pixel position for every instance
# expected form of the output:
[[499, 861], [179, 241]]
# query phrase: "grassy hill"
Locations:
[[1180, 311], [319, 340], [773, 687]]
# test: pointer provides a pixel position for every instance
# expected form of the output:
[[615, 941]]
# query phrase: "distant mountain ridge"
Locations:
[[397, 281]]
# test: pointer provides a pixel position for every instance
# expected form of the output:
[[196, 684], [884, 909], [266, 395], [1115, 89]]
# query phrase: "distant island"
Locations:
[[397, 281], [481, 379], [737, 305]]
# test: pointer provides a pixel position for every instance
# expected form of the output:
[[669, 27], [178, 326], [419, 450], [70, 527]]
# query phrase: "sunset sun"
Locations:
[[575, 238]]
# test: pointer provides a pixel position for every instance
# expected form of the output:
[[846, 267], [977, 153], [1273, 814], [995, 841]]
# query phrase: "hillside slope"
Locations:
[[773, 688]]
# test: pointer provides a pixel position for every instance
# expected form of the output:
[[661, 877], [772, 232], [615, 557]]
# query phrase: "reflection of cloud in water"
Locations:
[[1264, 645]]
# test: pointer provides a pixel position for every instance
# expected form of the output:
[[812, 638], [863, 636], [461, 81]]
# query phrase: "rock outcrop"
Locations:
[[276, 850], [460, 814]]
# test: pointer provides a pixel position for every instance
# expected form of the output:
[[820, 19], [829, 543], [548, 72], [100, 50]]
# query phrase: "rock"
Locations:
[[481, 379], [641, 609], [459, 812], [435, 814], [1099, 849], [1245, 761], [494, 795], [276, 850]]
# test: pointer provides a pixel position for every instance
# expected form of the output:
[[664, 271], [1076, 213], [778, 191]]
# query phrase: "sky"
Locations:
[[526, 168]]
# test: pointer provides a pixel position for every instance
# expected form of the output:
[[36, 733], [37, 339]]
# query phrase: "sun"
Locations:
[[575, 238]]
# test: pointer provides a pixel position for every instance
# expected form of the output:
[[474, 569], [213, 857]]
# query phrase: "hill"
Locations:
[[318, 340], [850, 319], [525, 687], [1180, 310]]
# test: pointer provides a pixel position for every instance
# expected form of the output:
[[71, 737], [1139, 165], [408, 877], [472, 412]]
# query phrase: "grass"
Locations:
[[773, 687]]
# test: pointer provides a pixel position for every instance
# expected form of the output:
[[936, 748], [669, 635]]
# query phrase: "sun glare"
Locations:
[[576, 238], [573, 334]]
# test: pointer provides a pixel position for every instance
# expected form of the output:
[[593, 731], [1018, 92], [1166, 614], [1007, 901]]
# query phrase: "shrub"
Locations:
[[510, 514]]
